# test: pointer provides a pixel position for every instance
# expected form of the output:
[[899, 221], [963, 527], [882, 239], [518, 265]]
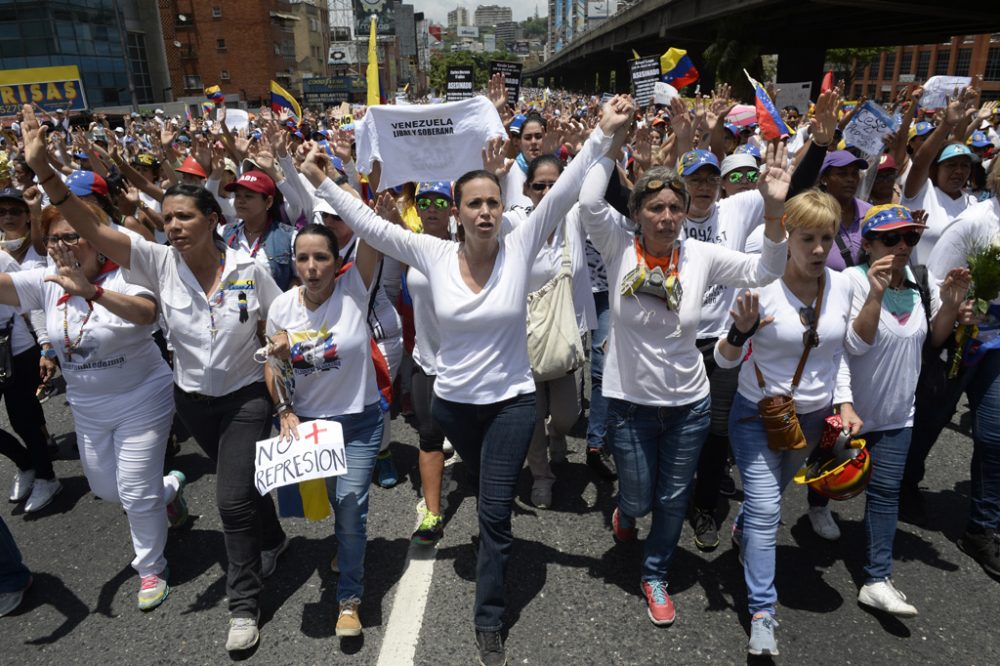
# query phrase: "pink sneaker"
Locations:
[[660, 606], [622, 534]]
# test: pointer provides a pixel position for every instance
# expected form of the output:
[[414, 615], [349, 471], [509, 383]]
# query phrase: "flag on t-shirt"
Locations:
[[677, 69], [770, 122], [282, 99]]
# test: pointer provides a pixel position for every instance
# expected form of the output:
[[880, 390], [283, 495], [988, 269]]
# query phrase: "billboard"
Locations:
[[460, 83], [49, 87], [332, 89], [468, 31], [384, 10], [343, 53]]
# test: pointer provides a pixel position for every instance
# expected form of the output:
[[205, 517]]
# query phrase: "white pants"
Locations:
[[122, 445], [392, 350]]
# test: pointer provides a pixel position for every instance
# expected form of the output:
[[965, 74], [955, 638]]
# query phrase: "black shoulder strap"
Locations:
[[923, 287], [845, 251]]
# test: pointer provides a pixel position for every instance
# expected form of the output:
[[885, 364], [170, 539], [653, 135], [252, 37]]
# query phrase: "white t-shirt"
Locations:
[[729, 224], [20, 339], [427, 340], [884, 374], [331, 353], [218, 363], [652, 358], [941, 211], [513, 189], [777, 347], [113, 357]]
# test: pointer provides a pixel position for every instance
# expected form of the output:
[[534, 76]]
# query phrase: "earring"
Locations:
[[101, 258]]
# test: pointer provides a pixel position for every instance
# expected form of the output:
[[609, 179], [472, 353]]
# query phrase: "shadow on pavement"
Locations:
[[49, 590]]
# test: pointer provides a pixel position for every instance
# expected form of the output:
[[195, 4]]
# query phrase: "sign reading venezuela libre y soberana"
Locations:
[[49, 87]]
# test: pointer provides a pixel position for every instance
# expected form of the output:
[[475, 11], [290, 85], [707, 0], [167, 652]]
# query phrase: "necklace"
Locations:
[[217, 298], [74, 345]]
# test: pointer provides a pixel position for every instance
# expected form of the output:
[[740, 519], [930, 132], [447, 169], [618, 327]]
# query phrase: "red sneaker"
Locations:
[[661, 608], [622, 534]]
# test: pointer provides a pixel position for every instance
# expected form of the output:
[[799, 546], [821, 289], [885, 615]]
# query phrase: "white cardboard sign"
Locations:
[[317, 453], [938, 89], [868, 128]]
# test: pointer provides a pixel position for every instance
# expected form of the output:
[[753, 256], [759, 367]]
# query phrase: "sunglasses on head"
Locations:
[[423, 203], [736, 177], [892, 238], [541, 187]]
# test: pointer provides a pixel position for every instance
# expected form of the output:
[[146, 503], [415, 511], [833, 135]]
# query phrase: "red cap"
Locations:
[[886, 162], [191, 166], [255, 181]]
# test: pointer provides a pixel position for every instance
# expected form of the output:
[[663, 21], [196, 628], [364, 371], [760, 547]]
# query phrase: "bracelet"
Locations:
[[63, 200], [738, 338], [821, 145], [282, 407], [45, 180], [98, 292]]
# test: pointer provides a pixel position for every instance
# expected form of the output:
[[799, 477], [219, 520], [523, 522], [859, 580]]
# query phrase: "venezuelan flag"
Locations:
[[214, 93], [770, 122], [374, 90], [282, 99], [677, 69], [306, 499], [207, 108]]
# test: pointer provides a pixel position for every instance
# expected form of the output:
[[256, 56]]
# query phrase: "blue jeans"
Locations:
[[888, 449], [765, 474], [983, 391], [656, 451], [349, 497], [597, 421], [493, 442], [14, 575]]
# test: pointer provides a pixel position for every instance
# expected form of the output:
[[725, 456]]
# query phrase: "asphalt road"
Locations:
[[573, 594]]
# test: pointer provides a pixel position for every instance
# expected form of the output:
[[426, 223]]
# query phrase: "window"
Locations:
[[923, 65], [193, 82], [890, 65], [224, 75], [942, 62], [216, 12], [906, 62], [992, 72], [220, 44], [963, 62], [340, 34]]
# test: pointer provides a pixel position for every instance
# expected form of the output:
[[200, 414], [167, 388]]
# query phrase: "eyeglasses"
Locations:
[[704, 181], [423, 203], [810, 337], [69, 239], [892, 238], [736, 177], [541, 187], [17, 210]]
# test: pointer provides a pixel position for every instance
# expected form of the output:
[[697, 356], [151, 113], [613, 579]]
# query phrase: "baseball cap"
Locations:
[[733, 129], [957, 150], [12, 194], [923, 128], [517, 123], [158, 112], [119, 130], [888, 217], [693, 160], [255, 181], [85, 183], [146, 159], [191, 166], [979, 140], [442, 187], [230, 166], [842, 158], [749, 149], [886, 162], [81, 155], [737, 161]]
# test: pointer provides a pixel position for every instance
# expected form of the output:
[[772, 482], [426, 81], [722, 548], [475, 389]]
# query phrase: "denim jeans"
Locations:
[[765, 474], [656, 451], [227, 428], [14, 575], [597, 421], [349, 496], [493, 442], [983, 391], [888, 449]]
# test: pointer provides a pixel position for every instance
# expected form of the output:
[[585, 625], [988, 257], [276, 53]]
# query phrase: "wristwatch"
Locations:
[[49, 353]]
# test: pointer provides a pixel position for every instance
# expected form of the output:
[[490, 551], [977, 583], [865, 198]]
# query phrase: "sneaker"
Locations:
[[44, 392], [9, 601], [22, 485], [42, 493], [660, 607], [983, 548], [727, 486], [912, 509], [762, 641], [448, 449], [601, 464], [269, 558], [884, 596], [348, 622], [621, 527], [737, 541], [430, 530], [177, 510], [153, 590], [706, 534], [491, 650], [243, 634], [823, 524], [385, 470], [541, 495]]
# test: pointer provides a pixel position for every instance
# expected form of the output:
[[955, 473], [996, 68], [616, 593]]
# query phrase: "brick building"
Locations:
[[964, 55], [238, 44], [312, 40]]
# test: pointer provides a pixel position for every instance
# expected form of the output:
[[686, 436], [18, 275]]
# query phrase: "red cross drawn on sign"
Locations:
[[315, 433]]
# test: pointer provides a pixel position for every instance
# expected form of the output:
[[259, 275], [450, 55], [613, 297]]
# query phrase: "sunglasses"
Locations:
[[541, 187], [69, 239], [810, 337], [735, 177], [423, 203], [892, 238], [16, 210]]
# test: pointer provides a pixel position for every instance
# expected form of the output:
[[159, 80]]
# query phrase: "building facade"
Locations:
[[312, 40], [456, 17], [487, 16], [965, 55]]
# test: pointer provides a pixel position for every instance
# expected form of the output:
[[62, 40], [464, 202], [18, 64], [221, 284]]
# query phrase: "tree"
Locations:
[[730, 54], [848, 64]]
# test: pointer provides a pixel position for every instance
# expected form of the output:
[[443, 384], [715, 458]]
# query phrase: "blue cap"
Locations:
[[888, 217], [442, 187], [733, 129], [979, 140], [85, 183], [749, 149], [517, 123], [923, 128], [693, 160], [81, 155], [956, 150]]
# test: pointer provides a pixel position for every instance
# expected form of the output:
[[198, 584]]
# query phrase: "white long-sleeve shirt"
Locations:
[[652, 358]]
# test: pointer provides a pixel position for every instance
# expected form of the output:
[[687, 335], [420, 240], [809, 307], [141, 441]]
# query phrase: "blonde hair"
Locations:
[[812, 210]]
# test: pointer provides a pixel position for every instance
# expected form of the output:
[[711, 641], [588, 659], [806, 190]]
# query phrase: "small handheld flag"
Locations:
[[677, 69], [214, 93], [770, 122], [207, 108], [282, 99]]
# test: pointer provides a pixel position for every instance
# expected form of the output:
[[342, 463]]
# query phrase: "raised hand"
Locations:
[[777, 178], [746, 313], [879, 276], [35, 151], [496, 91], [341, 145], [386, 208], [955, 288], [494, 157], [618, 112], [824, 123], [69, 275]]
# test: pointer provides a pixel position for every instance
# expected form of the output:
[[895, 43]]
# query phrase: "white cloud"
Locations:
[[438, 10]]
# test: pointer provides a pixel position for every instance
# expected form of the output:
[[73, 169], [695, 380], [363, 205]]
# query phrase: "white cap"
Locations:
[[322, 206], [158, 112], [120, 130], [737, 161]]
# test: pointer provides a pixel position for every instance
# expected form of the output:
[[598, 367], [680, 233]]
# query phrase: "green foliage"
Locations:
[[984, 265], [729, 55], [535, 28], [848, 64], [440, 62]]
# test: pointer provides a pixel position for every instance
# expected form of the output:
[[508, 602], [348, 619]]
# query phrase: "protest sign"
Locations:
[[317, 453], [938, 89], [664, 93], [645, 73], [50, 88], [868, 128], [236, 119], [460, 82], [511, 78], [794, 94]]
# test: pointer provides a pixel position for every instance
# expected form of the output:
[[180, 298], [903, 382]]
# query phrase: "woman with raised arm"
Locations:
[[215, 301], [484, 393]]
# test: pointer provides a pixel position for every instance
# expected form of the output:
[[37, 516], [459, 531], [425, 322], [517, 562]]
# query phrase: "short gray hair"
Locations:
[[668, 179]]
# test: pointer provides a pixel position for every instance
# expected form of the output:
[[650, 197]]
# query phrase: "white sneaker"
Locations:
[[22, 485], [884, 596], [823, 523], [42, 493], [243, 634]]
